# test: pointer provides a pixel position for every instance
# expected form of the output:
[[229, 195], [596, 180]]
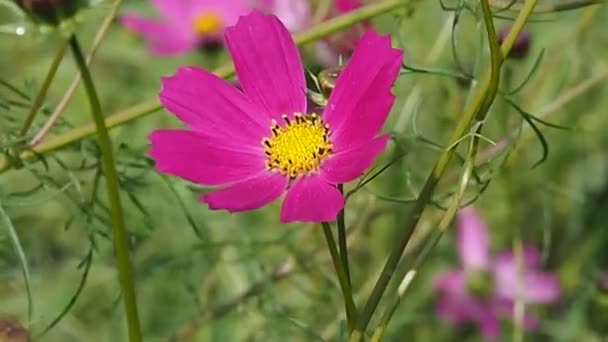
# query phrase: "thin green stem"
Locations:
[[119, 234], [479, 101], [152, 105], [496, 59], [11, 232], [67, 96], [546, 9], [39, 100], [432, 239], [519, 309], [519, 306], [349, 302], [342, 240]]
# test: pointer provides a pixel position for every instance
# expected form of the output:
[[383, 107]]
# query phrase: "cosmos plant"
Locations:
[[262, 142]]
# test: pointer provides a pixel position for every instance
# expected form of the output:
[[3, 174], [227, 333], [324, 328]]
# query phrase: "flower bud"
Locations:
[[602, 283], [50, 12], [12, 331], [327, 79], [521, 47]]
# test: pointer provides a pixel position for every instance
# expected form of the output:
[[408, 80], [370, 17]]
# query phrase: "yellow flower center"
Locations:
[[299, 146], [208, 23]]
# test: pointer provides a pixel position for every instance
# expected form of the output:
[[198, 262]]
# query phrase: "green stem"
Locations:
[[412, 268], [519, 309], [5, 220], [119, 233], [39, 100], [349, 303], [67, 96], [152, 105], [552, 8], [480, 101], [342, 241]]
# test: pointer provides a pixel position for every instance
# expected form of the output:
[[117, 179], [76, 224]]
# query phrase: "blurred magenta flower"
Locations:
[[294, 14], [485, 288], [261, 142], [521, 46], [341, 43], [186, 24]]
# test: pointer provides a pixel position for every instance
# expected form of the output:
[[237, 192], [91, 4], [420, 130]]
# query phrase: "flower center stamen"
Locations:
[[208, 23], [299, 146], [480, 284]]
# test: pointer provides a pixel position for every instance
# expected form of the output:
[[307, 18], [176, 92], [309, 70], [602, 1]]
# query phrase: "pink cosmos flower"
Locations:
[[261, 142], [187, 24], [486, 288]]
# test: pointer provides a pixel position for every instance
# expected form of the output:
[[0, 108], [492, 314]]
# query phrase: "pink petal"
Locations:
[[172, 9], [507, 308], [268, 64], [349, 164], [294, 14], [362, 98], [457, 309], [536, 286], [344, 6], [489, 324], [214, 107], [202, 160], [162, 38], [228, 10], [451, 282], [248, 194], [325, 54], [473, 240], [542, 287], [531, 257], [451, 309], [310, 199]]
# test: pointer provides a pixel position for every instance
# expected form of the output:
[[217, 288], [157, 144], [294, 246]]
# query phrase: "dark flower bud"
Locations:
[[327, 79], [12, 331], [521, 47], [50, 12]]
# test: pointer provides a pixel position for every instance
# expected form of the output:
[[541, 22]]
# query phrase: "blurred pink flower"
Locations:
[[342, 43], [486, 288], [186, 24], [261, 142], [294, 14]]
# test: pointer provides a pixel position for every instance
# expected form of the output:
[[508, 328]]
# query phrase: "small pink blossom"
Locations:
[[342, 43], [294, 14], [485, 288], [186, 24], [261, 142]]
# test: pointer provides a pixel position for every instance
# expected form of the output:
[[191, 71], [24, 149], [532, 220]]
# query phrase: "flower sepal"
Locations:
[[51, 15]]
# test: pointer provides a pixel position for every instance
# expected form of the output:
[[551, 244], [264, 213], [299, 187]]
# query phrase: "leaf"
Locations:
[[86, 262], [16, 243]]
